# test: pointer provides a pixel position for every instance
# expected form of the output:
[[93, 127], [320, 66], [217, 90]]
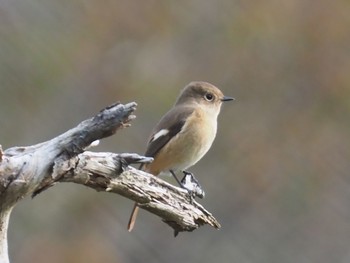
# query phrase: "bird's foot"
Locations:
[[191, 184]]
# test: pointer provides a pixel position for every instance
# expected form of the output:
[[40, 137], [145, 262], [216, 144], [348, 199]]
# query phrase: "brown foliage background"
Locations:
[[277, 176]]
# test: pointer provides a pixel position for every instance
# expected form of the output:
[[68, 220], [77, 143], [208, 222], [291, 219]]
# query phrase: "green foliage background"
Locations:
[[277, 176]]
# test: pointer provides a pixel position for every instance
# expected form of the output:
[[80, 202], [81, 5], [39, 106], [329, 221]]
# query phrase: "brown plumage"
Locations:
[[185, 133]]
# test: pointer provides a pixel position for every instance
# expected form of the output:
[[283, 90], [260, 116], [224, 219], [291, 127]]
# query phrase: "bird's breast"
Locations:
[[198, 135], [188, 146]]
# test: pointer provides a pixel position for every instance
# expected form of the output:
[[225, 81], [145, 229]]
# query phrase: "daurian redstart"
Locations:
[[185, 133]]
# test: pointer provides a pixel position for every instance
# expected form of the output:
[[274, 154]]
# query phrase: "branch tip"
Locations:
[[132, 158], [111, 106]]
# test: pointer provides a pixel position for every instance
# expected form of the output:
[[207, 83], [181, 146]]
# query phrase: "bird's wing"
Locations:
[[171, 124]]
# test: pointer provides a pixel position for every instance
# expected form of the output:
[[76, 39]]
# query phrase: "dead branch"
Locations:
[[26, 171], [172, 204]]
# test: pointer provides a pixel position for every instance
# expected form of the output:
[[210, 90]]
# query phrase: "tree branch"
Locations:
[[107, 172], [29, 170]]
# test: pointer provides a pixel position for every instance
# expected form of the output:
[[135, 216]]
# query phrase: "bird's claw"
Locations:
[[191, 184]]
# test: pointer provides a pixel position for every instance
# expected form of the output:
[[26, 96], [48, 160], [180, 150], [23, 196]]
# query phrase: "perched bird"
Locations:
[[185, 133]]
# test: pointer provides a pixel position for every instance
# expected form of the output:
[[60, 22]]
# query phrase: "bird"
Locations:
[[185, 133]]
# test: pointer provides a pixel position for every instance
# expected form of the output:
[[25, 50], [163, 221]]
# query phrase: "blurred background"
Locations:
[[277, 176]]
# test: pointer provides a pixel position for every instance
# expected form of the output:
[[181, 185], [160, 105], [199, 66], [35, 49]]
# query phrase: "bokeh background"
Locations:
[[277, 176]]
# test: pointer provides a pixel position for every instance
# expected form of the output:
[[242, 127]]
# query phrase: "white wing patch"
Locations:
[[162, 132]]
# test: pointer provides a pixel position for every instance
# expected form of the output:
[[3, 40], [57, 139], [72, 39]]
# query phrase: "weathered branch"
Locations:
[[172, 204], [29, 170], [23, 169]]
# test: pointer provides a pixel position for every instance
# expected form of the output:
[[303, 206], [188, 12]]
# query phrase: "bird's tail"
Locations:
[[135, 210], [133, 216]]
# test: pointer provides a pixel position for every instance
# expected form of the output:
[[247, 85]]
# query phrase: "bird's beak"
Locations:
[[225, 98]]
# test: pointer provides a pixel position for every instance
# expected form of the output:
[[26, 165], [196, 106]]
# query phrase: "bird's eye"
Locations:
[[209, 97]]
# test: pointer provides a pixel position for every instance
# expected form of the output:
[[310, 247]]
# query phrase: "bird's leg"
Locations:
[[176, 179], [192, 185]]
